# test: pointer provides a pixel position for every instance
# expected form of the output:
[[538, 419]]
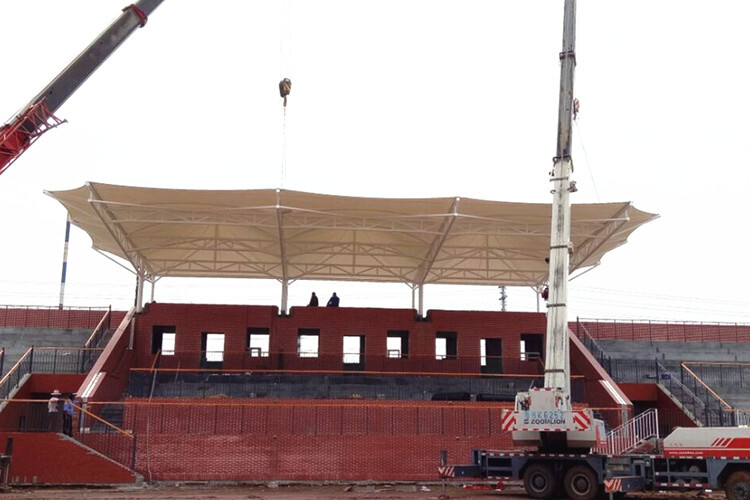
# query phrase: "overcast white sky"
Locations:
[[396, 99]]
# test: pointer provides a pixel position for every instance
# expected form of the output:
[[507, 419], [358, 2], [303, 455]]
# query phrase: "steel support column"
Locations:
[[284, 296], [139, 279]]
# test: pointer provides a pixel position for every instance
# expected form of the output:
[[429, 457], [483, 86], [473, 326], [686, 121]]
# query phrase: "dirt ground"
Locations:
[[338, 492]]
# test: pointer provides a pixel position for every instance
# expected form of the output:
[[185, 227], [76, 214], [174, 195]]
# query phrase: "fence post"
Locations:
[[133, 453]]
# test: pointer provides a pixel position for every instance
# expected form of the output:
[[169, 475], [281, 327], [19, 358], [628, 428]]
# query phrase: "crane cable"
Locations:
[[285, 84], [579, 136]]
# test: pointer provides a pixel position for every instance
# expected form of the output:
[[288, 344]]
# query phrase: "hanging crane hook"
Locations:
[[285, 87]]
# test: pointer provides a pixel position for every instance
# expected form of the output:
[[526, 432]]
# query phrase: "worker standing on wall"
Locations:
[[333, 301]]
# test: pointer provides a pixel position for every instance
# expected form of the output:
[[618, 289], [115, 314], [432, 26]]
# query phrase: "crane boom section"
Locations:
[[38, 115]]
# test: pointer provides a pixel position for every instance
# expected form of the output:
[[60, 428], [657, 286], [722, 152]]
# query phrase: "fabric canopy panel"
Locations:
[[291, 235]]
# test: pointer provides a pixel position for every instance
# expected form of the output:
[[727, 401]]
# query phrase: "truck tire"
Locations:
[[539, 481], [738, 486], [581, 483]]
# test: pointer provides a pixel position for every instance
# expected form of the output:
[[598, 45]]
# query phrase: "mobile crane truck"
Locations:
[[569, 442]]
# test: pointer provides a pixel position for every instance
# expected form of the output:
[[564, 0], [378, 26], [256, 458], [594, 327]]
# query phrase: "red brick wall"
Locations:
[[312, 458], [233, 440], [670, 414], [51, 317], [654, 331], [639, 392], [192, 320], [46, 458]]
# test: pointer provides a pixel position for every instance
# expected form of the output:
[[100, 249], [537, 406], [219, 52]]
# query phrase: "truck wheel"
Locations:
[[738, 486], [539, 481], [581, 483]]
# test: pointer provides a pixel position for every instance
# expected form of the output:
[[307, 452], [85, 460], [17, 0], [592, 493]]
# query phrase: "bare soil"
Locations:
[[266, 492]]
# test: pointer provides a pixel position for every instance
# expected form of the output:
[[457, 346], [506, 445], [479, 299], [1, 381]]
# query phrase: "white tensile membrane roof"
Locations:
[[292, 235]]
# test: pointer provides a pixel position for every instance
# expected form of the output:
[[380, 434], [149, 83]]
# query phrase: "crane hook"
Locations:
[[285, 87]]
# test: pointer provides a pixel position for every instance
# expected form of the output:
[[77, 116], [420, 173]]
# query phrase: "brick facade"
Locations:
[[47, 458]]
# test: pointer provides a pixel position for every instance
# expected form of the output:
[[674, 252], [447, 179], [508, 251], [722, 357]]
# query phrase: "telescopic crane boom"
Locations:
[[544, 417], [38, 115]]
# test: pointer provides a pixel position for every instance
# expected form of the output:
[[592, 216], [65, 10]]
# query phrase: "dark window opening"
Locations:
[[397, 344], [307, 342], [532, 346], [491, 355], [446, 345], [163, 339], [258, 342]]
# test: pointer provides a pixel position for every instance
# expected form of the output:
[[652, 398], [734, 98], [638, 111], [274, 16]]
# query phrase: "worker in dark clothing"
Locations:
[[313, 301], [68, 410], [333, 301]]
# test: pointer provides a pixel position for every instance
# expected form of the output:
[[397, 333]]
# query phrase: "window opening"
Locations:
[[446, 345], [307, 343], [532, 345], [397, 344], [214, 347], [258, 342], [163, 339], [491, 355], [353, 348], [168, 343]]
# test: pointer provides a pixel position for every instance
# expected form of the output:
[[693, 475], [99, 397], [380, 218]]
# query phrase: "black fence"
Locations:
[[177, 384], [63, 359], [47, 360]]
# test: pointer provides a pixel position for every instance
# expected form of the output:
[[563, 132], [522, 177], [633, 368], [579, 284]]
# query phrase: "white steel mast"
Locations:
[[557, 358]]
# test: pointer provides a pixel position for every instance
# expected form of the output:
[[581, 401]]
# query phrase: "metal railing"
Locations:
[[101, 329], [717, 411], [16, 375], [722, 374], [593, 346], [695, 406], [632, 434], [47, 360], [742, 417], [96, 338]]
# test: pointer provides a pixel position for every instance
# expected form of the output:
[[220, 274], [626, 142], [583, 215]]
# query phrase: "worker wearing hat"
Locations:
[[54, 411]]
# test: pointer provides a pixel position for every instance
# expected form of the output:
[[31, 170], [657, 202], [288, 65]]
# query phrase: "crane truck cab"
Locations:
[[543, 418]]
